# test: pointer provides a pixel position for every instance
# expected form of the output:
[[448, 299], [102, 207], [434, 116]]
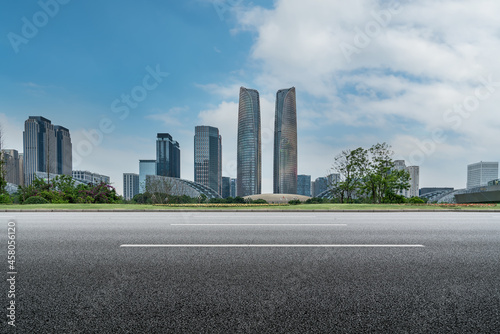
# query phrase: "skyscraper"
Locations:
[[208, 157], [47, 148], [304, 185], [168, 156], [480, 173], [285, 143], [146, 167], [11, 167], [130, 185], [226, 187], [64, 151], [249, 163], [414, 180]]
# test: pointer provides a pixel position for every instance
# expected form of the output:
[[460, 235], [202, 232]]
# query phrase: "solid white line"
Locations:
[[269, 245], [258, 224]]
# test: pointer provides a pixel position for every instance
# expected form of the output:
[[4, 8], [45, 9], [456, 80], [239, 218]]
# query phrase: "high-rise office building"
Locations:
[[64, 151], [249, 163], [208, 157], [226, 187], [21, 169], [12, 166], [304, 185], [320, 185], [130, 185], [285, 143], [168, 156], [146, 167], [414, 181], [233, 188], [47, 148], [480, 173]]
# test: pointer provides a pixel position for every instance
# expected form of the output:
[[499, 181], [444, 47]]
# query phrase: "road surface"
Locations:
[[272, 272]]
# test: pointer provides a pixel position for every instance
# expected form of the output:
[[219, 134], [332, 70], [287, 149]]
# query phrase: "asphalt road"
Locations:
[[366, 272]]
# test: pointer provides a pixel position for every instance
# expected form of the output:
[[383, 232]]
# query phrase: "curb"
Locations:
[[242, 210]]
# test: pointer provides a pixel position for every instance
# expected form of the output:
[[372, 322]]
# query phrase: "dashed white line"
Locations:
[[243, 224], [267, 245]]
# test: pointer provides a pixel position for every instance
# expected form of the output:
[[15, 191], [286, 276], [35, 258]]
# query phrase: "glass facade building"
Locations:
[[168, 156], [320, 186], [285, 143], [249, 163], [64, 151], [233, 188], [47, 148], [304, 185], [146, 167], [226, 187], [480, 173], [130, 185], [208, 157]]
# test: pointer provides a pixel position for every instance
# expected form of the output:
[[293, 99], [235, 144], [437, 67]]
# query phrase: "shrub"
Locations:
[[316, 200], [416, 200], [239, 200], [294, 202], [259, 201], [5, 199], [36, 200]]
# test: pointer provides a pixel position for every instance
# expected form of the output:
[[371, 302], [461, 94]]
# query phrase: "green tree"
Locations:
[[382, 182], [351, 165]]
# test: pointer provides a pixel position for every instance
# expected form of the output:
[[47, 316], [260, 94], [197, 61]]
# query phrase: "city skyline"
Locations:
[[367, 72]]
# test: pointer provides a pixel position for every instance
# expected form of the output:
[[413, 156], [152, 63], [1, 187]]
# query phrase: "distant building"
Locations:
[[21, 168], [130, 185], [414, 181], [285, 143], [87, 177], [304, 185], [12, 167], [249, 155], [313, 187], [233, 188], [64, 151], [333, 179], [320, 185], [226, 187], [47, 148], [146, 167], [208, 157], [480, 173], [168, 156]]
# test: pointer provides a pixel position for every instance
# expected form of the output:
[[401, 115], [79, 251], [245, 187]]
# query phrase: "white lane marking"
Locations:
[[243, 224], [268, 245]]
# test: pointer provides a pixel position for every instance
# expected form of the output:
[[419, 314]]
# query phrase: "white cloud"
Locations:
[[426, 58], [172, 117], [12, 133]]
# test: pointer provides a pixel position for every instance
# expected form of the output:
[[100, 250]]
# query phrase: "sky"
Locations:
[[422, 76]]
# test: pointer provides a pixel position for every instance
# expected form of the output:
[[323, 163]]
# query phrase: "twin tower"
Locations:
[[249, 160]]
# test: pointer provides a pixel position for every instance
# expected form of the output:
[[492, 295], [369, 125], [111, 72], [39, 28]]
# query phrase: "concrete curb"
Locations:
[[243, 210]]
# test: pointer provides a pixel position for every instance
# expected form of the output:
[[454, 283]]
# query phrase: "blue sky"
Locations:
[[365, 72]]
